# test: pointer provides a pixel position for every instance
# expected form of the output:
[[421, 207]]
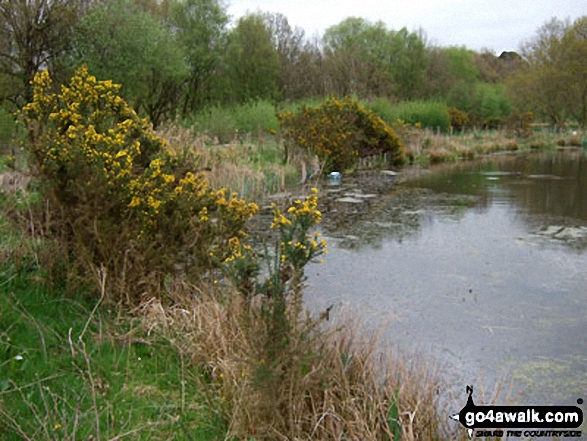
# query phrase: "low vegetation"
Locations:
[[433, 115], [165, 337], [134, 300], [340, 132]]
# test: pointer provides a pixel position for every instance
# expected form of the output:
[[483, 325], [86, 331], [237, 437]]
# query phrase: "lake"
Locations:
[[482, 266]]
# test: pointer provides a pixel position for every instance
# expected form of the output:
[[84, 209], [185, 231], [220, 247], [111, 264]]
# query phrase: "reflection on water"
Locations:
[[553, 184], [483, 266]]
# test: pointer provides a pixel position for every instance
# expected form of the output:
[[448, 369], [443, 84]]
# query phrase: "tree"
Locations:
[[575, 55], [368, 59], [119, 42], [299, 70], [307, 77], [493, 69], [408, 63], [553, 84], [357, 53], [33, 34], [451, 76], [199, 26], [253, 61]]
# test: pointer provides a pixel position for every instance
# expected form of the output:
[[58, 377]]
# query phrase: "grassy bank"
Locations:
[[137, 304], [195, 368], [69, 370], [246, 145], [134, 304], [199, 363], [431, 147], [253, 166]]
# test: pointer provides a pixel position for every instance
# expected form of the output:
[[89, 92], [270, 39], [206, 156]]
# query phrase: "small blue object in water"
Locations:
[[334, 178]]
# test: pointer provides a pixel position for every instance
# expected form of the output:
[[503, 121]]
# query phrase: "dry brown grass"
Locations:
[[326, 383], [251, 169], [439, 147]]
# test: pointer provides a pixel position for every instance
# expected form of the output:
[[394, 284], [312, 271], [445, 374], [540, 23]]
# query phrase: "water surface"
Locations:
[[482, 266]]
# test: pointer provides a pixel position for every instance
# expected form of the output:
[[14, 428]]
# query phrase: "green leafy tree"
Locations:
[[356, 52], [575, 55], [367, 59], [553, 82], [463, 77], [408, 63], [117, 40], [252, 61], [490, 105], [200, 27]]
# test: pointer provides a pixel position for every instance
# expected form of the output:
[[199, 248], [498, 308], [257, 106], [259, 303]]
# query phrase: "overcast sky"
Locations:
[[478, 24]]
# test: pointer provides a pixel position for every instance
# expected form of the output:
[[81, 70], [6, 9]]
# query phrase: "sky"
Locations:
[[496, 25]]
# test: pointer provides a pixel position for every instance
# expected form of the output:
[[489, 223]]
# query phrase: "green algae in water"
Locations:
[[556, 381]]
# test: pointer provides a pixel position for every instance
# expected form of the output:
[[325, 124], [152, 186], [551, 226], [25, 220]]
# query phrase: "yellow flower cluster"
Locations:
[[297, 244], [237, 250], [307, 208], [85, 138], [339, 131]]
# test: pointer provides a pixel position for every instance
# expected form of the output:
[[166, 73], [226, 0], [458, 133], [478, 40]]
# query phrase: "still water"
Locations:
[[483, 267]]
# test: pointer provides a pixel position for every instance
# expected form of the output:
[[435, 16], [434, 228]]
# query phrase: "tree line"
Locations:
[[178, 57]]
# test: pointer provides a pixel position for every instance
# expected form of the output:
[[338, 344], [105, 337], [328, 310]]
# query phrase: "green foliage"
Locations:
[[427, 114], [253, 62], [385, 108], [430, 114], [408, 64], [486, 105], [575, 50], [393, 418], [553, 83], [493, 105], [135, 49], [462, 64], [255, 117], [7, 127], [66, 372], [368, 59], [461, 96], [126, 206], [299, 60], [451, 75], [199, 26], [226, 122], [339, 132]]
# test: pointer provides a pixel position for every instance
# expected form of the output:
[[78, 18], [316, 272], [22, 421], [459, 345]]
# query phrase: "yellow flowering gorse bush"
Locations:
[[340, 132], [124, 202], [298, 246]]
